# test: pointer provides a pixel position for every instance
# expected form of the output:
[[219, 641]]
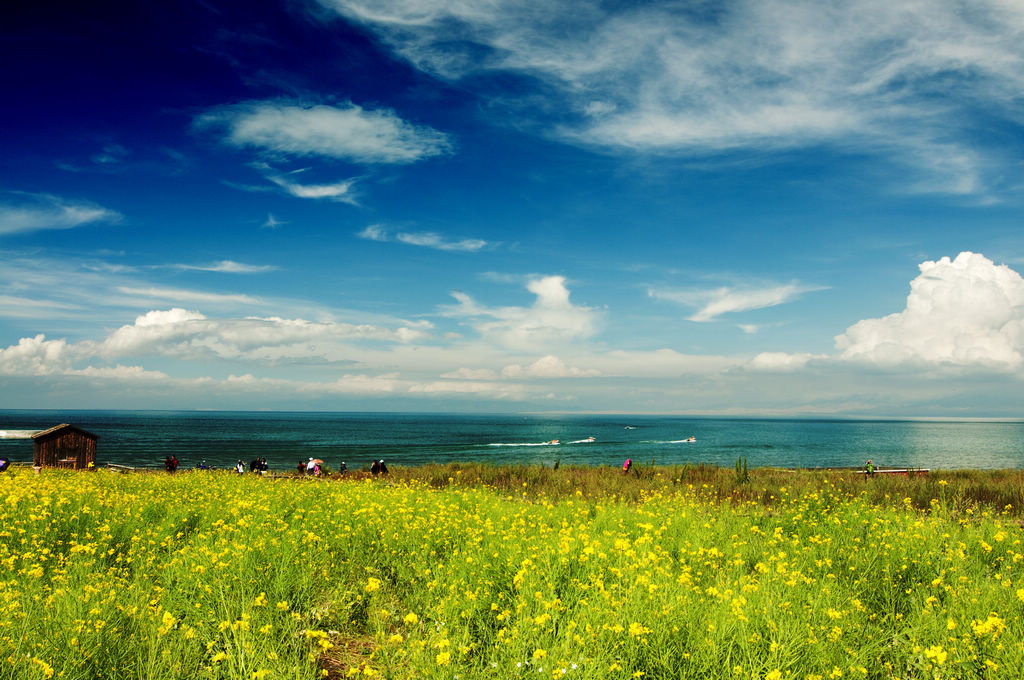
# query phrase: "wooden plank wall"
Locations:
[[55, 451]]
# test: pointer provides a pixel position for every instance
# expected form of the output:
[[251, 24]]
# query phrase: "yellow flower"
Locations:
[[636, 629], [443, 658], [937, 653], [539, 654], [411, 618], [372, 585], [774, 675]]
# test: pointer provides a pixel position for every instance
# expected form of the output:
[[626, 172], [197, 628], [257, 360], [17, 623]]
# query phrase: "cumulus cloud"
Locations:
[[725, 300], [552, 319], [346, 132], [426, 239], [962, 312], [35, 356], [24, 212], [181, 333], [190, 335], [902, 78], [548, 367], [781, 361]]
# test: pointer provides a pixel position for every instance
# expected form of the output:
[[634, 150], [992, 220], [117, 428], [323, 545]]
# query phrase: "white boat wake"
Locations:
[[553, 442]]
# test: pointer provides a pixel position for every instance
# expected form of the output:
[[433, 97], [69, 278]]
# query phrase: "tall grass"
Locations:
[[508, 572]]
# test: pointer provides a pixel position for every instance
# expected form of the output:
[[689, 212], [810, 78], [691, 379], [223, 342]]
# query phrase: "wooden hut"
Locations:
[[64, 446]]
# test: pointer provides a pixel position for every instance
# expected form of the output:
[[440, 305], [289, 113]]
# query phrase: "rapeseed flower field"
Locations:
[[209, 575]]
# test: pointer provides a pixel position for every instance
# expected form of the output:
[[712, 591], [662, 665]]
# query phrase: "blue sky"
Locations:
[[771, 208]]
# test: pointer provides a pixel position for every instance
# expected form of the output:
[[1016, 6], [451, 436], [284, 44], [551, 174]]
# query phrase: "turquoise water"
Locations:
[[144, 438]]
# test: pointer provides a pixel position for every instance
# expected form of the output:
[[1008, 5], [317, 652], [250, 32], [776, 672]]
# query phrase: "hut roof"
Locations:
[[60, 429]]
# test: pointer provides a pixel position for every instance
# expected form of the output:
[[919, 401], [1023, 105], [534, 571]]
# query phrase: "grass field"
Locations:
[[512, 572]]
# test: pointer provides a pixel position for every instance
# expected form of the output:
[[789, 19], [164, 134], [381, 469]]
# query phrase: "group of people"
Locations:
[[171, 463], [257, 466]]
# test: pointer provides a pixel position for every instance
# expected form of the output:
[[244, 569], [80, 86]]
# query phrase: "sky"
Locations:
[[768, 207]]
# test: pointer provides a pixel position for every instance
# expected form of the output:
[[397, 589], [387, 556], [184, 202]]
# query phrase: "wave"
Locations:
[[17, 434], [588, 440]]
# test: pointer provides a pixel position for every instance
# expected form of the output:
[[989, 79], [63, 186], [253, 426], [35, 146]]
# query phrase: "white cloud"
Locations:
[[31, 308], [781, 361], [725, 300], [962, 312], [552, 319], [35, 356], [120, 373], [502, 391], [548, 367], [341, 192], [346, 132], [902, 78], [426, 239], [181, 333], [228, 267], [659, 363], [183, 295], [272, 222], [470, 374], [38, 212], [38, 356]]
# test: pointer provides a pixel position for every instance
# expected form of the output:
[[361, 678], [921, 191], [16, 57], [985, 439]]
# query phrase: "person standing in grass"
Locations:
[[869, 469]]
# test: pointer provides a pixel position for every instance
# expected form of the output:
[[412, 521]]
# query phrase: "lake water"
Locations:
[[144, 438]]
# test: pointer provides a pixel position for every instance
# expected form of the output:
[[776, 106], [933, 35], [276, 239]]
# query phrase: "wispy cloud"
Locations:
[[725, 300], [272, 222], [426, 239], [162, 295], [341, 191], [348, 132], [228, 267], [27, 212], [901, 79]]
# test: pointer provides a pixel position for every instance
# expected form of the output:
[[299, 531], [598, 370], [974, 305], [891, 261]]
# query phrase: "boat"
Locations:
[[900, 472], [553, 442]]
